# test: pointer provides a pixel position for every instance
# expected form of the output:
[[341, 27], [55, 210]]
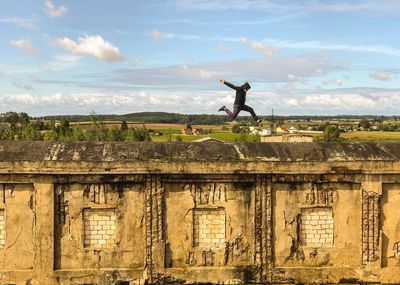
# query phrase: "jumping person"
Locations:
[[240, 99]]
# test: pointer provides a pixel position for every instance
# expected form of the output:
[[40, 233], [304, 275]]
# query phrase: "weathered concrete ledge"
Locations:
[[167, 213], [212, 152], [201, 158]]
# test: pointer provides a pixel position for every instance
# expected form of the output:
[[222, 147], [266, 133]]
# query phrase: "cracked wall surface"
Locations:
[[109, 213], [17, 222]]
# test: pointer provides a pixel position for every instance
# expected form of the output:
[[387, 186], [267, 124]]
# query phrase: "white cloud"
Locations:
[[24, 86], [19, 22], [372, 7], [120, 32], [295, 78], [337, 82], [63, 62], [292, 102], [298, 102], [205, 76], [348, 47], [91, 45], [158, 35], [134, 61], [380, 75], [266, 50], [346, 102], [222, 47], [24, 45], [52, 11]]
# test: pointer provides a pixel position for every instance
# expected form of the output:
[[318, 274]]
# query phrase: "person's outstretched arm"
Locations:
[[229, 84]]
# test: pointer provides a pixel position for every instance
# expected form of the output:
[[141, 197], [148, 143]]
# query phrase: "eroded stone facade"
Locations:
[[2, 228], [257, 213]]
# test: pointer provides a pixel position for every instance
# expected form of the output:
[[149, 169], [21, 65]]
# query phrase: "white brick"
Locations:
[[99, 230], [316, 227], [209, 228]]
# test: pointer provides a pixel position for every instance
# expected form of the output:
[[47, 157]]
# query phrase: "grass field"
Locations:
[[226, 136], [164, 127], [172, 132], [364, 136]]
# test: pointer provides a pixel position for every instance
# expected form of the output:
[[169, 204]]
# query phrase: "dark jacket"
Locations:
[[240, 93]]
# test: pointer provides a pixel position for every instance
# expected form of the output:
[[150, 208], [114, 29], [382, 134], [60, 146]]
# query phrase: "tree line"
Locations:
[[18, 126]]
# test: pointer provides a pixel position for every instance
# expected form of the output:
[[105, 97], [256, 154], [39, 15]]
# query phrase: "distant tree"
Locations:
[[11, 117], [29, 133], [331, 134], [97, 131], [124, 125], [245, 130], [279, 121], [78, 134], [38, 125], [116, 134], [138, 134], [23, 118], [236, 129], [365, 124]]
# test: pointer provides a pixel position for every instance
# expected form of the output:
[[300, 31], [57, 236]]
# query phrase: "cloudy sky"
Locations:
[[314, 57]]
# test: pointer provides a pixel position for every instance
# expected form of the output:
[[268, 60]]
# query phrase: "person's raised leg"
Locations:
[[234, 114], [251, 111], [236, 111]]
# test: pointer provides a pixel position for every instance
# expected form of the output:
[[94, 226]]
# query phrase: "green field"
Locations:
[[222, 135], [366, 136]]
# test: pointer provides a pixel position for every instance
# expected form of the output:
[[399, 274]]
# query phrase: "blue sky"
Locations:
[[309, 57]]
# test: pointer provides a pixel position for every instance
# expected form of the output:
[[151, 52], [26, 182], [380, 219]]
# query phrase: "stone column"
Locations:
[[263, 229], [370, 220], [154, 217], [43, 234]]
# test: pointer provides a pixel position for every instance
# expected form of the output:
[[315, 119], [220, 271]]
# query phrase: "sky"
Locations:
[[305, 57]]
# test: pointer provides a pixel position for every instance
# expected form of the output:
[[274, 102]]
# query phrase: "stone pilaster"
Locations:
[[263, 232], [43, 234], [370, 220], [154, 217]]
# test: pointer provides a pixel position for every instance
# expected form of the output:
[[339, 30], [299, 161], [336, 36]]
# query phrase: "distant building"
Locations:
[[187, 132], [209, 139], [282, 130], [261, 132], [310, 133], [200, 131], [265, 132], [293, 130], [155, 132], [287, 138]]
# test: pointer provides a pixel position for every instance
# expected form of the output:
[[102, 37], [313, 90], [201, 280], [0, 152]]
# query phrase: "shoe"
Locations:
[[222, 108], [259, 120]]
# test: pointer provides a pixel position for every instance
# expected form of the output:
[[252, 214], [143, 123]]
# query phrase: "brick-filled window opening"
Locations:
[[2, 228], [316, 227], [209, 228], [99, 228]]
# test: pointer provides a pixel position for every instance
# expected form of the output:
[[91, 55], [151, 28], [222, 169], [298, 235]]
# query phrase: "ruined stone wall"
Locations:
[[17, 222], [188, 213]]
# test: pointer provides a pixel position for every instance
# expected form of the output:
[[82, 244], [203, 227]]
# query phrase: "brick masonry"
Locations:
[[317, 227], [2, 229], [99, 228], [209, 228]]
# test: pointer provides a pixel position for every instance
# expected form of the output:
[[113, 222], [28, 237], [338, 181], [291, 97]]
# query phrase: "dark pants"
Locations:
[[238, 108]]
